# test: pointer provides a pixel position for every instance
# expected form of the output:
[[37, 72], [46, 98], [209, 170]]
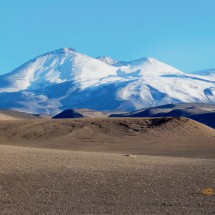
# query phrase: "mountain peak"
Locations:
[[151, 59], [107, 60], [144, 60], [60, 51], [67, 50]]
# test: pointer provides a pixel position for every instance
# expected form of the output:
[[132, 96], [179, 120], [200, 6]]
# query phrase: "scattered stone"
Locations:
[[132, 156]]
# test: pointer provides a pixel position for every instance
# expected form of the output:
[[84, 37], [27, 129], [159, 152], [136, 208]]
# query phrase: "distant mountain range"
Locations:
[[203, 113], [65, 79]]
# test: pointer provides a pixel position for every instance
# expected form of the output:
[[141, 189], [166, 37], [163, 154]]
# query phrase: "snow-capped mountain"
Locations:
[[65, 79], [53, 68]]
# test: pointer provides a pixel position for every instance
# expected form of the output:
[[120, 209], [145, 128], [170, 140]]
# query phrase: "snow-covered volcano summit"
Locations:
[[53, 68], [65, 79]]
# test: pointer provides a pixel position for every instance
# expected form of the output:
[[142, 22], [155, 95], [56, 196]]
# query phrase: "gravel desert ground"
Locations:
[[81, 166]]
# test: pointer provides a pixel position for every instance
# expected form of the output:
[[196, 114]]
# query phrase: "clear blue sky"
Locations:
[[178, 32]]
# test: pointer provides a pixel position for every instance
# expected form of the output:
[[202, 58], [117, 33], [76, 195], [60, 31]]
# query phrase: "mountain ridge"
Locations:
[[65, 79], [203, 113]]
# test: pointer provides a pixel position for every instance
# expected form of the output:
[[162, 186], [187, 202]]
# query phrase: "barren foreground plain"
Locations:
[[106, 166]]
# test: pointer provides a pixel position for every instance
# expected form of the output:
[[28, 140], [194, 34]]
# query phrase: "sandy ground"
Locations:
[[15, 115], [6, 117], [163, 136], [43, 181], [80, 167]]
